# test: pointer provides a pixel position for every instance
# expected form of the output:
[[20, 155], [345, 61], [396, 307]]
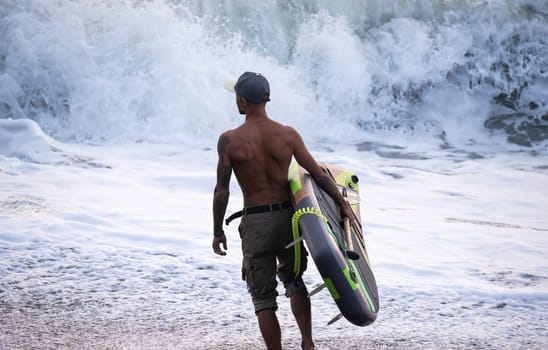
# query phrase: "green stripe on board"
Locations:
[[362, 285], [331, 288], [294, 181]]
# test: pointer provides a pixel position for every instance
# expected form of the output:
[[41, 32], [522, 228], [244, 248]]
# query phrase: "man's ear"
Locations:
[[242, 100]]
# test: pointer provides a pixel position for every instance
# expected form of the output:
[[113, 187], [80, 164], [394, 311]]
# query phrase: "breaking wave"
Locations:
[[96, 71]]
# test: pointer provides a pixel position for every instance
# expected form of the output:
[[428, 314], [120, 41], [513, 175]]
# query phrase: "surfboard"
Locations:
[[340, 256]]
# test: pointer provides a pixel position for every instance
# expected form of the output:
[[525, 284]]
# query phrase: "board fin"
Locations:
[[317, 289], [335, 319], [300, 239]]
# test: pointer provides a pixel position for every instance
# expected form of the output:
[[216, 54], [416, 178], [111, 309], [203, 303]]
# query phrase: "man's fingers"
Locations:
[[217, 246], [218, 251]]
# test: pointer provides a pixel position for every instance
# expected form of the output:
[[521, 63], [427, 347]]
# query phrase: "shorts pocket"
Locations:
[[246, 270]]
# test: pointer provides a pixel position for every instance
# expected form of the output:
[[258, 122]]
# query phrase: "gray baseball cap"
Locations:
[[252, 86]]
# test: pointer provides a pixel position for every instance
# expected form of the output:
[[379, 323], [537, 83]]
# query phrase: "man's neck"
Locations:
[[256, 113]]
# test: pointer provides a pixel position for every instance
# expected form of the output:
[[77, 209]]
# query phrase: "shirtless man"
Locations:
[[260, 152]]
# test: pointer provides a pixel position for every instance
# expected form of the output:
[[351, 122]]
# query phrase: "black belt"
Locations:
[[259, 209]]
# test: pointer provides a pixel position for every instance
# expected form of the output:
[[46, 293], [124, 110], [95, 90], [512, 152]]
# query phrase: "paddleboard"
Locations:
[[349, 278]]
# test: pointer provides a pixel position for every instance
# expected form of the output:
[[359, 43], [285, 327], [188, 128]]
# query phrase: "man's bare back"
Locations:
[[261, 151]]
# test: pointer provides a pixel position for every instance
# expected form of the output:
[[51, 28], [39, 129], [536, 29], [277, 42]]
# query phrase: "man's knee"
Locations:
[[265, 304], [295, 286]]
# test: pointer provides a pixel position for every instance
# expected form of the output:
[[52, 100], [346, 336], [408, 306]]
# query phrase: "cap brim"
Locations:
[[229, 85]]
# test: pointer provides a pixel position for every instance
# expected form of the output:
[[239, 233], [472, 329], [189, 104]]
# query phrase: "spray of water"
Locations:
[[130, 71]]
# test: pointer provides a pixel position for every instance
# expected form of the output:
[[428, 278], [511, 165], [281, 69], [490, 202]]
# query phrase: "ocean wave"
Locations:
[[463, 73]]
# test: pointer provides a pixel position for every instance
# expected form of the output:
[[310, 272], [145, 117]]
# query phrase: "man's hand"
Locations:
[[217, 241], [346, 212]]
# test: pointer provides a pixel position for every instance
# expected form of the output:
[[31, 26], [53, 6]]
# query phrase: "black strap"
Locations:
[[234, 216], [258, 209]]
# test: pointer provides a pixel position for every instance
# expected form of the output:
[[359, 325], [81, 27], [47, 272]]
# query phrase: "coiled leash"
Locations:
[[297, 238]]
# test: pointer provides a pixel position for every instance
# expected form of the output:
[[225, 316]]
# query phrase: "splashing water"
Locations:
[[450, 70]]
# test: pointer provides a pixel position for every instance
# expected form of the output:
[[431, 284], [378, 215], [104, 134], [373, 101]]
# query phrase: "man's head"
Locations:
[[253, 87]]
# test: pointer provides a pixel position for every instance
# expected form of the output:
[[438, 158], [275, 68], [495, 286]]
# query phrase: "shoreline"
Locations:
[[41, 327]]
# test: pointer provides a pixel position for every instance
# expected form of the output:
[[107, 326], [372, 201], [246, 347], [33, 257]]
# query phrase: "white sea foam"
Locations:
[[123, 249], [108, 163]]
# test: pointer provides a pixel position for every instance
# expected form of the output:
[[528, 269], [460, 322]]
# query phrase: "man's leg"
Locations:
[[300, 305], [270, 329]]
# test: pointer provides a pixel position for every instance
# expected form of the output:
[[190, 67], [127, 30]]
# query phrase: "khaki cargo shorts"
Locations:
[[264, 237]]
